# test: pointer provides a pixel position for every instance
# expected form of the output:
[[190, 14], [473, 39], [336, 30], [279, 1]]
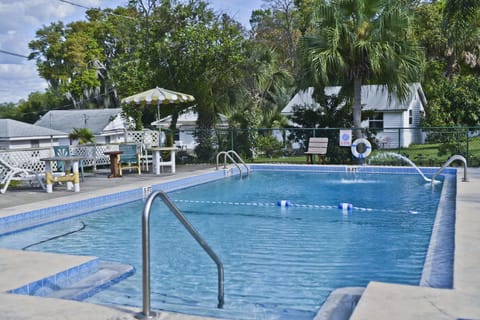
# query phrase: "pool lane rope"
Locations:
[[287, 204]]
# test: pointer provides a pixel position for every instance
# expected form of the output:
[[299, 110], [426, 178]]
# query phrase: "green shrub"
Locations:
[[269, 146]]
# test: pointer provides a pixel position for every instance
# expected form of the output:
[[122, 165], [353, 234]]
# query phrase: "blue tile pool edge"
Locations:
[[59, 280], [45, 286], [34, 218], [438, 266]]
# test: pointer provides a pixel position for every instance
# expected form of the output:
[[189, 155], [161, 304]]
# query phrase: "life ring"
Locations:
[[364, 154]]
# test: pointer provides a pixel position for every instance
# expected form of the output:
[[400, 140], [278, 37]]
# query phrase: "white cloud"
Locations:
[[19, 20], [18, 81]]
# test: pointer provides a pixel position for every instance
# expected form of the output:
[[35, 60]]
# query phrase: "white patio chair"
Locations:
[[9, 172], [145, 156]]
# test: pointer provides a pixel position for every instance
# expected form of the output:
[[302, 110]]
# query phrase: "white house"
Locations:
[[20, 135], [186, 124], [396, 123], [107, 125]]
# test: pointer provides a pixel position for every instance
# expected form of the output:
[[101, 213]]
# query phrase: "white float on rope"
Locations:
[[284, 203], [345, 206]]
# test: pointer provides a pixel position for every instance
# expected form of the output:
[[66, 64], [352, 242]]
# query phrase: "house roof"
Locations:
[[188, 118], [374, 97], [11, 129], [67, 120]]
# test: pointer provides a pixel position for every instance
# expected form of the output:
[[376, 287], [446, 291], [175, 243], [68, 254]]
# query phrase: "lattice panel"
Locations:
[[90, 153], [100, 157], [147, 138], [27, 159], [30, 159]]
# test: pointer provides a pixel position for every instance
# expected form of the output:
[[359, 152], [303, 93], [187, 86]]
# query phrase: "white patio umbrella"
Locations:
[[159, 96]]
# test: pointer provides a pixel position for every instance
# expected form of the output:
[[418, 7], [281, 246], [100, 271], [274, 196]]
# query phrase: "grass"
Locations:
[[430, 155], [420, 154]]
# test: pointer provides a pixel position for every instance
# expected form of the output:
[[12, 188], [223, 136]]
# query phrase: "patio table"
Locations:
[[157, 158], [72, 179], [114, 169]]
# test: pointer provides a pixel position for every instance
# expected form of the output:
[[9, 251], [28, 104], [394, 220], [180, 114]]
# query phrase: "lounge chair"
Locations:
[[316, 146], [9, 172], [130, 158], [64, 151]]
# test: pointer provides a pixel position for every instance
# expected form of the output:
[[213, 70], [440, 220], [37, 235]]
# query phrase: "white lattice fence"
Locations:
[[93, 154], [27, 158], [145, 138], [30, 158]]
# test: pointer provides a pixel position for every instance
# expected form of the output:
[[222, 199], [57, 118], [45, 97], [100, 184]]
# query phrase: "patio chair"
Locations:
[[64, 151], [130, 158], [145, 157], [9, 172]]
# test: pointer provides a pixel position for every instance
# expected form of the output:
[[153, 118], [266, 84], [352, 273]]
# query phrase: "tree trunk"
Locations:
[[357, 107]]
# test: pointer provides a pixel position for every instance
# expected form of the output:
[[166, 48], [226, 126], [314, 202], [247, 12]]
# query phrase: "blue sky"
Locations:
[[21, 18]]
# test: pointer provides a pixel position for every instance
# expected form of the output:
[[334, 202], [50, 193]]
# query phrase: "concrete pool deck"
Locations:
[[379, 301]]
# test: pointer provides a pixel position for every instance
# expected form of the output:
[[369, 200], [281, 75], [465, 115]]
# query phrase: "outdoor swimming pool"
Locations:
[[280, 262]]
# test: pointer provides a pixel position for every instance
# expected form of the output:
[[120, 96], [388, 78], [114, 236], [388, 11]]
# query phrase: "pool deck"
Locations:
[[379, 301]]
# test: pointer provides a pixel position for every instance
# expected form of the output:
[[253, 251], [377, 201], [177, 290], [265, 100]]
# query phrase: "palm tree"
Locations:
[[361, 41], [83, 135], [461, 27]]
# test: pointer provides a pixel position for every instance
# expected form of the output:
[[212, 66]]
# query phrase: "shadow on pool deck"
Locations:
[[379, 301]]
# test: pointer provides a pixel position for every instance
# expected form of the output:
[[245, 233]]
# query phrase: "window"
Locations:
[[34, 143], [410, 116], [376, 122]]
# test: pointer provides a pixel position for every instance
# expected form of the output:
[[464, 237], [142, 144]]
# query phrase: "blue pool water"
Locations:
[[280, 263]]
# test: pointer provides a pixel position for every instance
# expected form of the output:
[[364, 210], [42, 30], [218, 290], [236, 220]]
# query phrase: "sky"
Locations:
[[20, 19]]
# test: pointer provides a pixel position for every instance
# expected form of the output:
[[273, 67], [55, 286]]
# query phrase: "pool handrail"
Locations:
[[240, 159], [227, 154], [448, 162], [147, 313]]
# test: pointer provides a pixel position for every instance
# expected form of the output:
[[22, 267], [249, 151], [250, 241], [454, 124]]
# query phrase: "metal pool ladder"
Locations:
[[227, 154], [147, 313], [449, 161]]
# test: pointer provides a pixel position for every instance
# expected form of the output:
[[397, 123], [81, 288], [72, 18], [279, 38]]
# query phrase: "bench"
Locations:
[[316, 146]]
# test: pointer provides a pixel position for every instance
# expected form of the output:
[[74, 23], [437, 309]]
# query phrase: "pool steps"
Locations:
[[79, 282], [108, 274], [340, 304]]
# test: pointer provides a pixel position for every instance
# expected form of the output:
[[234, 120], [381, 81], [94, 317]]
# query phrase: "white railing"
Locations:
[[93, 153], [27, 158], [30, 158]]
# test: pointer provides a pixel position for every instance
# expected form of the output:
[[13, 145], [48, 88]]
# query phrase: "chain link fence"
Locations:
[[424, 146]]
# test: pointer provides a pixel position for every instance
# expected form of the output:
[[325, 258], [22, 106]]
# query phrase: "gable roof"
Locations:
[[11, 129], [188, 118], [67, 120], [374, 97]]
